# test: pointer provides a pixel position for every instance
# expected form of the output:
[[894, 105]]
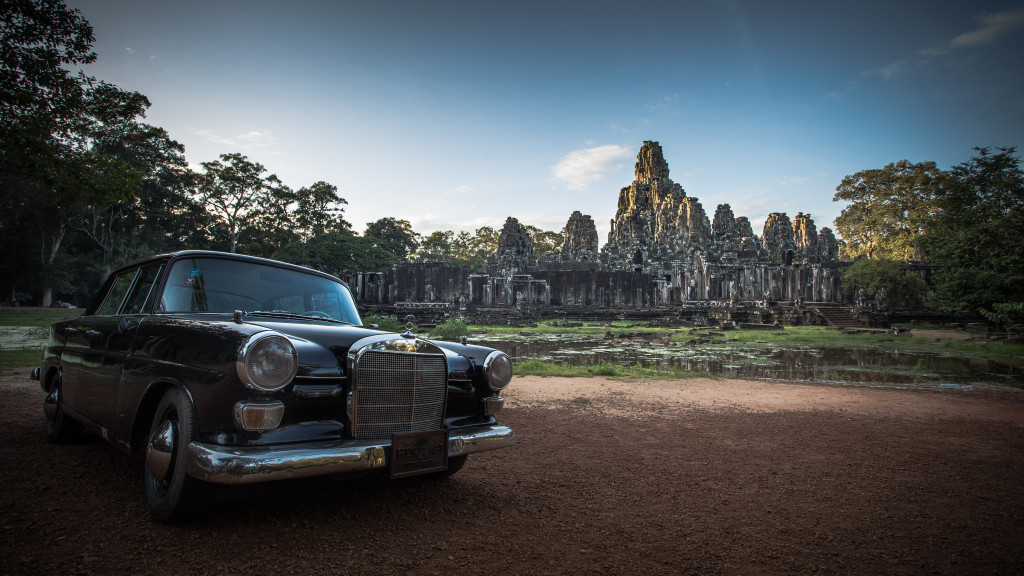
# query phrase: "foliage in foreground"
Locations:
[[1005, 313]]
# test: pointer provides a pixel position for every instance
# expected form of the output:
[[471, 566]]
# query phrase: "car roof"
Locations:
[[229, 256]]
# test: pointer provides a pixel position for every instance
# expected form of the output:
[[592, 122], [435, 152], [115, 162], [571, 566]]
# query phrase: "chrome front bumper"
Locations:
[[227, 465]]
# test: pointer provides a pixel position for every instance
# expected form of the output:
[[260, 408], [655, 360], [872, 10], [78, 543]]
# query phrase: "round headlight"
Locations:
[[498, 369], [267, 362]]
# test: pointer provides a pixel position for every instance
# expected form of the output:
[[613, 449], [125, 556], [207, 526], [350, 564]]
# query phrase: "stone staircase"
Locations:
[[836, 315]]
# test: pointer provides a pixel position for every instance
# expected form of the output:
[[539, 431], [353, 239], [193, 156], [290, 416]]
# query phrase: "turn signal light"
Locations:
[[258, 416]]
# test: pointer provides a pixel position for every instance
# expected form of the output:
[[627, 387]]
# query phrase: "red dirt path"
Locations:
[[684, 477]]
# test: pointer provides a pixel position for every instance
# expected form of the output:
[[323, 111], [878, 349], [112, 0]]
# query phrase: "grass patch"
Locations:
[[540, 368], [635, 372], [587, 328], [11, 359], [36, 316]]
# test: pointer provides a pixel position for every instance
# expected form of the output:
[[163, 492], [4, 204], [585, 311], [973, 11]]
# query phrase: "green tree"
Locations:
[[271, 223], [42, 159], [41, 100], [544, 241], [336, 251], [975, 242], [235, 191], [479, 247], [80, 173], [395, 236], [888, 209], [485, 241], [319, 210], [462, 244], [143, 155], [903, 288], [437, 246]]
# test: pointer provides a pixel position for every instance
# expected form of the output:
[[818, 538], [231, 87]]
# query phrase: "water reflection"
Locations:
[[850, 364]]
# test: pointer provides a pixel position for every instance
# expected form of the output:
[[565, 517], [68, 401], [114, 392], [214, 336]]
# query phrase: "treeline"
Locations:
[[87, 185], [965, 223]]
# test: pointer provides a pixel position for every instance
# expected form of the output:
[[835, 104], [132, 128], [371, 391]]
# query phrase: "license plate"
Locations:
[[414, 453]]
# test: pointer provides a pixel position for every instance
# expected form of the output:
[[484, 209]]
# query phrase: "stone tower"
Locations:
[[515, 250], [655, 218], [580, 243]]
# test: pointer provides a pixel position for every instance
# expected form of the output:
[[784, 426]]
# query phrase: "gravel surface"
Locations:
[[607, 477]]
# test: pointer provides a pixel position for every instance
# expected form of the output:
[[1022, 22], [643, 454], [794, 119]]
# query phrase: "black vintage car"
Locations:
[[227, 369]]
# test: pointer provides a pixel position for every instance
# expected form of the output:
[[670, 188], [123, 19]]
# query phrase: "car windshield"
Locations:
[[203, 284]]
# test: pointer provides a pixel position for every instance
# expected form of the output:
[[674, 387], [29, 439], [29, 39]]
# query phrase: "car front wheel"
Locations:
[[171, 494]]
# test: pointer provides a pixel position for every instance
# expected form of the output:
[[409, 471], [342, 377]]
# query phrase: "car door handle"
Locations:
[[124, 324], [93, 333]]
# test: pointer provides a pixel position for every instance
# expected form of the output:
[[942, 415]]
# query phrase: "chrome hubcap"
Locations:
[[160, 450], [51, 403]]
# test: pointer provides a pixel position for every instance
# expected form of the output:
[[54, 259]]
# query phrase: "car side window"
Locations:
[[141, 295], [117, 291]]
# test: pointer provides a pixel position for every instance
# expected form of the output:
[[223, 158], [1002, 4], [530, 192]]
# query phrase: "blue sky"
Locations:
[[457, 114]]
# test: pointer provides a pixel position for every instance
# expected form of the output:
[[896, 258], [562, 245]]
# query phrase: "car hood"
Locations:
[[322, 347]]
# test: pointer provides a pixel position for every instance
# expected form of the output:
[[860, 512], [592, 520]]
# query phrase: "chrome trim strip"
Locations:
[[246, 465], [316, 391]]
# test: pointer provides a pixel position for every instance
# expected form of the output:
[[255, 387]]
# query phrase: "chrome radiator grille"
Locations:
[[398, 392]]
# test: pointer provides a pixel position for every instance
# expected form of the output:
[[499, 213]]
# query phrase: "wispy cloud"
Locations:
[[794, 181], [888, 71], [991, 27], [458, 191], [579, 168], [664, 105], [254, 139]]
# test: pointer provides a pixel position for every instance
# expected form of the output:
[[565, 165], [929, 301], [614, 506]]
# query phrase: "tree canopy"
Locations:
[[902, 287], [889, 209], [236, 191], [395, 236], [976, 241], [966, 222]]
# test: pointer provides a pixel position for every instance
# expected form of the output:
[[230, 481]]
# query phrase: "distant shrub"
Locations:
[[605, 368], [452, 330], [384, 322]]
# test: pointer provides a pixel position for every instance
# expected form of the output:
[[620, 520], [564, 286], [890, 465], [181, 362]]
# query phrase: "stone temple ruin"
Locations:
[[664, 258]]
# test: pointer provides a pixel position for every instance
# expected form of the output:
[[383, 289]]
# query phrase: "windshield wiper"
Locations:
[[286, 314]]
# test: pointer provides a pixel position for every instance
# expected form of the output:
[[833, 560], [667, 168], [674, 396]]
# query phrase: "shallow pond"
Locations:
[[823, 364]]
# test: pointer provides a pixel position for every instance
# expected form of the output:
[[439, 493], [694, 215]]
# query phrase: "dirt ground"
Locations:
[[607, 477]]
